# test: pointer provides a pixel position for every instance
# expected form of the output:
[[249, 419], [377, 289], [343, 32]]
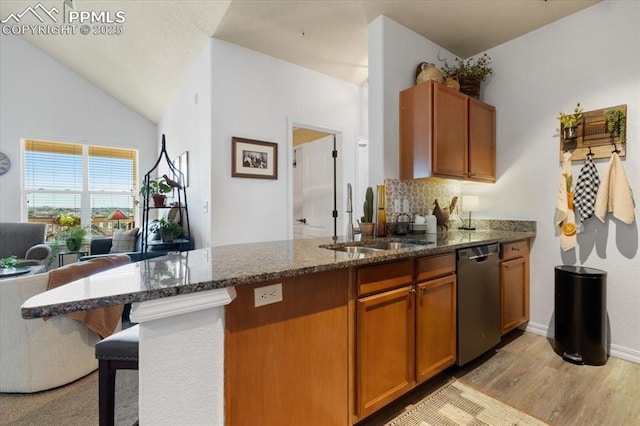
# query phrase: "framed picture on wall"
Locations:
[[254, 159]]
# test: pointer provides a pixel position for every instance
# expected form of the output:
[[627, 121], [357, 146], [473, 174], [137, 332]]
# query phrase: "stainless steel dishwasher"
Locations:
[[478, 300]]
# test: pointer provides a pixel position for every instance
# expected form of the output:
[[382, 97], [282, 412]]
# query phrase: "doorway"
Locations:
[[315, 177]]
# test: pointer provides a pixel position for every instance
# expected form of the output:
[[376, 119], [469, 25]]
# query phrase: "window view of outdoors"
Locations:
[[71, 185]]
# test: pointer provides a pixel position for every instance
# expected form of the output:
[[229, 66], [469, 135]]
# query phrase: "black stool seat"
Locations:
[[118, 351], [122, 345]]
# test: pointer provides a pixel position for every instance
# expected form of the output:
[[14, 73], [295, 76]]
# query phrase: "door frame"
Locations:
[[339, 135]]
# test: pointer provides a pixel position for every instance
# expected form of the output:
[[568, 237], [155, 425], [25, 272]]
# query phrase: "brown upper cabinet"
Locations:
[[446, 133]]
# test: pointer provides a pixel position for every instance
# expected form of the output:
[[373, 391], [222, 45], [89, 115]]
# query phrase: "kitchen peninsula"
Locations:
[[208, 355]]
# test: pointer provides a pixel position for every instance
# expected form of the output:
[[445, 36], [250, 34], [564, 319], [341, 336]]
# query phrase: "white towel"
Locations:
[[615, 193], [565, 216]]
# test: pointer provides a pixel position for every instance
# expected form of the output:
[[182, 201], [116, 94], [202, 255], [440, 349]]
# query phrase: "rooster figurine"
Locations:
[[442, 215]]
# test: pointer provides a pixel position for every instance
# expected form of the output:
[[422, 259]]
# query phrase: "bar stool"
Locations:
[[118, 351]]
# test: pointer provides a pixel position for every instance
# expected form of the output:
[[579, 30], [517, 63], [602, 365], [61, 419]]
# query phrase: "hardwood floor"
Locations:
[[525, 372]]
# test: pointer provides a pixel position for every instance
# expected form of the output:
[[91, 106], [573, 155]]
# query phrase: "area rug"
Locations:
[[458, 404]]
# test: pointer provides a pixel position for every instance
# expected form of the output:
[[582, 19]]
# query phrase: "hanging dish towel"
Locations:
[[615, 193], [565, 216], [587, 189]]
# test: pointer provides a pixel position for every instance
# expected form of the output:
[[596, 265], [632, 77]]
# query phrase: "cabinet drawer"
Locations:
[[435, 266], [514, 250], [373, 279]]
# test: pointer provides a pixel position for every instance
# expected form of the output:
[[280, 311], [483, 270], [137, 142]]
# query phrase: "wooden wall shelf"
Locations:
[[593, 136]]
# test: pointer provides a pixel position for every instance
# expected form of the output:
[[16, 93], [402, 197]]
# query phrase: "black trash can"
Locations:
[[581, 314]]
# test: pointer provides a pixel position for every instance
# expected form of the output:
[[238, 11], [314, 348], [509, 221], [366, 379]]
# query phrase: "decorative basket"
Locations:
[[470, 86]]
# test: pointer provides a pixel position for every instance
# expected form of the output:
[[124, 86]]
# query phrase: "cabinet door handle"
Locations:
[[515, 249], [412, 291]]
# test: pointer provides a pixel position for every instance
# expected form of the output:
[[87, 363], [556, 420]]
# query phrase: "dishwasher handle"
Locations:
[[478, 252]]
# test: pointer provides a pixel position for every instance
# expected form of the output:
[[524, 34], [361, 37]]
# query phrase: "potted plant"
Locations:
[[156, 188], [616, 124], [167, 229], [570, 123], [73, 236], [470, 73], [67, 219], [366, 224], [9, 262]]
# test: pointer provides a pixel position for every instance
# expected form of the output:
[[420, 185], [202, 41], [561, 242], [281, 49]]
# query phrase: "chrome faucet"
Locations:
[[350, 230]]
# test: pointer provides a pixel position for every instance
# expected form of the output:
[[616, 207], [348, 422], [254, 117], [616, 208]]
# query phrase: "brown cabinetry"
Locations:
[[435, 326], [514, 285], [287, 363], [445, 133], [405, 328], [385, 347]]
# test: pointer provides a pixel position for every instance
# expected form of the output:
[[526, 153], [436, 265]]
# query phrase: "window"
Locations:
[[89, 182]]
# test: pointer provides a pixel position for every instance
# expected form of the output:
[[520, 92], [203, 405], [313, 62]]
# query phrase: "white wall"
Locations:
[[186, 124], [394, 54], [256, 96], [41, 99], [591, 57], [250, 95]]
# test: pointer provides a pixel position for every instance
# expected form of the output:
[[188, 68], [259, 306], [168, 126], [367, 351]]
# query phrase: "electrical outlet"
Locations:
[[396, 205], [267, 295], [405, 205]]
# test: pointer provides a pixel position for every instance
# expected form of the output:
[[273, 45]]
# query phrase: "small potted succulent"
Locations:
[[366, 223], [570, 123], [167, 229], [156, 188]]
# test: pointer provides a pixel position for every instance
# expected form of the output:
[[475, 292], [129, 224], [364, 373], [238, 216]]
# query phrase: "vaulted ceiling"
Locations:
[[159, 39]]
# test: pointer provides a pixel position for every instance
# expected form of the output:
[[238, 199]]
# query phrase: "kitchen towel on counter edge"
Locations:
[[587, 189], [565, 216], [615, 193]]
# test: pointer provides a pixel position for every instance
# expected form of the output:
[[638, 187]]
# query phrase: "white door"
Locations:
[[313, 189]]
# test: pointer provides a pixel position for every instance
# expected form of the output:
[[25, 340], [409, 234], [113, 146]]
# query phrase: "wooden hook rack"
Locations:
[[593, 137]]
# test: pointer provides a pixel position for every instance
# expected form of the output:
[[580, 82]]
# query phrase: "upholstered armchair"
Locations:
[[25, 241], [38, 354]]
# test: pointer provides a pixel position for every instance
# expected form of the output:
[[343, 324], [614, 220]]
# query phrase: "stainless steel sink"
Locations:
[[374, 247], [355, 249], [393, 245]]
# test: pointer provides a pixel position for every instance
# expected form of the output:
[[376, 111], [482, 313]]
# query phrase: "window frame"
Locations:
[[85, 194]]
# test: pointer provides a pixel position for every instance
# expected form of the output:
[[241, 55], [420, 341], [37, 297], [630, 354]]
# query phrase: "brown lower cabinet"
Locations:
[[514, 284], [288, 363], [341, 344], [404, 335]]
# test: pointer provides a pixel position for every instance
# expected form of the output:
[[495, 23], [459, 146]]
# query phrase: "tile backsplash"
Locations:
[[419, 195]]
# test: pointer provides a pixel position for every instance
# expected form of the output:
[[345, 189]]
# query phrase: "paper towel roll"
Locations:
[[432, 224]]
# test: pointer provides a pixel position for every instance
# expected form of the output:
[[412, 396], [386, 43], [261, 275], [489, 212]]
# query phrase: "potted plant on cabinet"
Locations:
[[570, 123], [167, 229], [156, 188], [366, 224], [470, 73]]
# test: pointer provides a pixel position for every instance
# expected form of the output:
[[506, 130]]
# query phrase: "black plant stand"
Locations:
[[179, 193]]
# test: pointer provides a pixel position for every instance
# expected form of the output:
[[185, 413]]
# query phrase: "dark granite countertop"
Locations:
[[232, 265]]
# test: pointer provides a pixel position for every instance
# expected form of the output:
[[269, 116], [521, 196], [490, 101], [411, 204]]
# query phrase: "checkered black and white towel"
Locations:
[[587, 189]]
